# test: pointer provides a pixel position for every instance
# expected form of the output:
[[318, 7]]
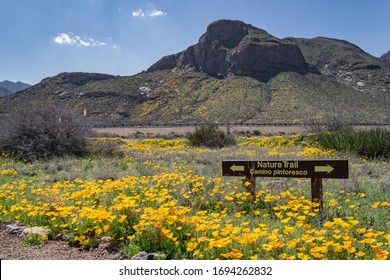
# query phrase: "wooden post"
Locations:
[[317, 193], [251, 188]]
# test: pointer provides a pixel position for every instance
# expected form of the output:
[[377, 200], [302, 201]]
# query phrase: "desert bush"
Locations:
[[334, 123], [372, 144], [210, 136], [42, 132], [327, 123]]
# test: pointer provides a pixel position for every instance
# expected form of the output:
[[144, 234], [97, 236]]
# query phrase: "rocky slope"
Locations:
[[347, 64]]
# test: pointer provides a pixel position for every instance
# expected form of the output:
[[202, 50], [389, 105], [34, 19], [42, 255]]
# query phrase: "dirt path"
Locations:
[[12, 248]]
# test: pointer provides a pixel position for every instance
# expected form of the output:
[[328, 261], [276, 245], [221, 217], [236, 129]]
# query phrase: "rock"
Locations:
[[62, 235], [14, 229], [145, 256], [140, 256], [105, 243], [145, 89], [42, 231], [155, 256], [234, 48], [80, 78]]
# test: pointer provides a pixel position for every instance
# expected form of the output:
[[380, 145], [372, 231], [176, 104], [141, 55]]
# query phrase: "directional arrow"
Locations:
[[324, 168], [236, 168]]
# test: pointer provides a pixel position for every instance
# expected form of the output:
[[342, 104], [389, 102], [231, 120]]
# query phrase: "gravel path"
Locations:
[[12, 248]]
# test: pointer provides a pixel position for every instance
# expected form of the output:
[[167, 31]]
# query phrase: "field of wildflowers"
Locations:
[[164, 196]]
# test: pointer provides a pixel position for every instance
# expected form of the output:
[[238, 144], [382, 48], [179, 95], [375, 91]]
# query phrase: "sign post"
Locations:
[[316, 170]]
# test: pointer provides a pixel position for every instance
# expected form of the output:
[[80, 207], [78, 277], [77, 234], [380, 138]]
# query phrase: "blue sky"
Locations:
[[41, 38]]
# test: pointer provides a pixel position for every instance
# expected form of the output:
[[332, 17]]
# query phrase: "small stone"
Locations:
[[140, 256], [105, 239], [14, 229], [151, 256], [105, 243], [42, 231], [62, 235]]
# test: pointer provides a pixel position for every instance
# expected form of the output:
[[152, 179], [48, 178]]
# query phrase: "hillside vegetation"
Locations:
[[177, 97]]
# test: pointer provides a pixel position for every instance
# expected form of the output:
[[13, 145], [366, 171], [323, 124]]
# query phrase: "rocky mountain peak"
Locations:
[[228, 32], [232, 47]]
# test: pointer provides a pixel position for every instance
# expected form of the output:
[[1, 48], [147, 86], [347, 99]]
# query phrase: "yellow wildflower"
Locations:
[[302, 256], [122, 219], [233, 254], [191, 246]]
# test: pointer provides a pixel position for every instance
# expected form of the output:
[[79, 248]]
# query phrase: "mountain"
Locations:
[[235, 48], [13, 87], [4, 92], [386, 55], [265, 80]]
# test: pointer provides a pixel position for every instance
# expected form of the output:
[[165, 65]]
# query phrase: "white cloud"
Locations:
[[71, 39], [148, 13], [138, 13], [64, 39], [157, 13]]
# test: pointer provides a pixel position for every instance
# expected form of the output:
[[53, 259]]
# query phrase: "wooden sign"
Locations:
[[287, 168], [314, 169]]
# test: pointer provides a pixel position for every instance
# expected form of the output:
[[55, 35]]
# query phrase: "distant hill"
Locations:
[[4, 92], [386, 55], [236, 73], [13, 87]]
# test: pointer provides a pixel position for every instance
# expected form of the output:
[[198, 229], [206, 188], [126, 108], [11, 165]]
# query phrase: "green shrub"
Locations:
[[210, 136], [372, 144], [42, 132]]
